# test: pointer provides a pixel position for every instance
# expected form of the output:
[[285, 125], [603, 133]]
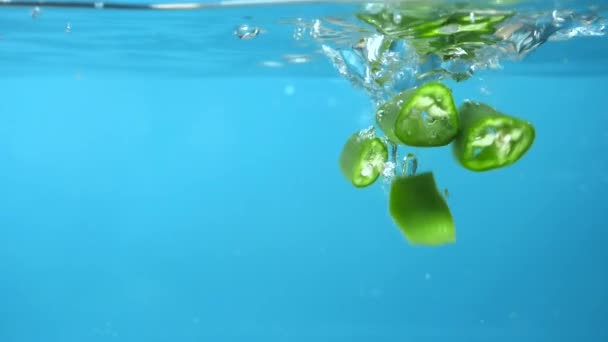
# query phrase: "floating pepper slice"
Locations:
[[422, 117], [490, 139], [363, 158], [420, 211], [447, 30]]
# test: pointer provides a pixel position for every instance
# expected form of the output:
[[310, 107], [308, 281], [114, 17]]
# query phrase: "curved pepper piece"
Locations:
[[362, 158], [422, 117], [448, 30], [490, 139], [420, 211]]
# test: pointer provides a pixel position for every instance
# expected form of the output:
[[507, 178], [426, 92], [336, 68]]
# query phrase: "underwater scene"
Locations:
[[299, 170]]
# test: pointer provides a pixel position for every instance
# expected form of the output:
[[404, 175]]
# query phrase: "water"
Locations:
[[173, 176]]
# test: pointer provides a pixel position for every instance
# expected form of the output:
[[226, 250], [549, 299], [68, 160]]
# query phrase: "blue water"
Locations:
[[165, 208]]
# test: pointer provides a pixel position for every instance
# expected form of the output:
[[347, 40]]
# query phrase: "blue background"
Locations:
[[212, 209]]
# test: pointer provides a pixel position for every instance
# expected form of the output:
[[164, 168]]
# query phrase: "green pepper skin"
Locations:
[[489, 139], [422, 117], [362, 159], [420, 211], [451, 32]]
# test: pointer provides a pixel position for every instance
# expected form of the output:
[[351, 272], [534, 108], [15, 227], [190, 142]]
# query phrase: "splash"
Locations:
[[389, 47]]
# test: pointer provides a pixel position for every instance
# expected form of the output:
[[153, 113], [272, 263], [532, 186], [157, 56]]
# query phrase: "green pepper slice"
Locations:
[[490, 139], [448, 31], [363, 158], [420, 211], [421, 117]]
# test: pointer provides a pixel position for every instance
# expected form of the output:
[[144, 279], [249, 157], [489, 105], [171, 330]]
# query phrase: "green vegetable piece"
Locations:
[[420, 211], [423, 117], [446, 30], [490, 139], [363, 158], [387, 113]]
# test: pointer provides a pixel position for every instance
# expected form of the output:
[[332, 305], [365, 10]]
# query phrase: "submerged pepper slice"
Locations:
[[362, 158], [490, 139], [422, 117], [420, 211]]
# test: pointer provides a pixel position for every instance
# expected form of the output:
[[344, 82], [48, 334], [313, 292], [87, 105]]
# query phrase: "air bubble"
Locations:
[[245, 31], [297, 59], [36, 12], [367, 170], [410, 164], [447, 29], [397, 18], [290, 90], [388, 170], [316, 29], [298, 33], [272, 64], [374, 8], [368, 133]]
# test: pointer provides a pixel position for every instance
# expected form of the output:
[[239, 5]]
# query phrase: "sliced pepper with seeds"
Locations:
[[489, 139], [363, 158], [422, 117]]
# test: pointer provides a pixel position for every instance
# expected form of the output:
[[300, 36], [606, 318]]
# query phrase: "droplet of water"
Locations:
[[245, 31], [410, 164], [427, 276]]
